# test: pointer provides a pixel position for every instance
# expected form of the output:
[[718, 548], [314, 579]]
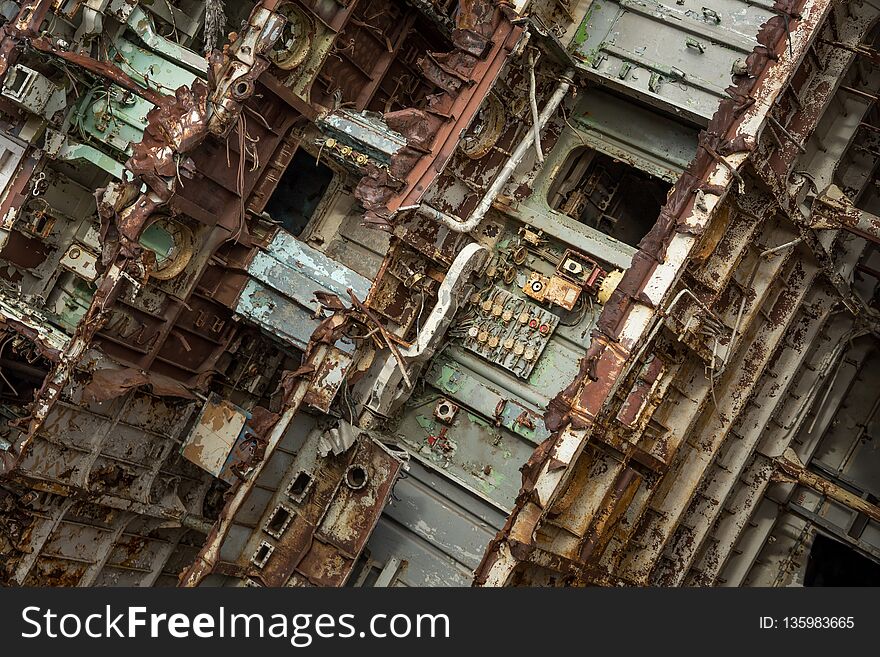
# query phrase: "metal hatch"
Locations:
[[677, 56]]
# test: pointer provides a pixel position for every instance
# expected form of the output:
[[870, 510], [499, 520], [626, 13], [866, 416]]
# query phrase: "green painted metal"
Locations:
[[117, 118], [75, 151]]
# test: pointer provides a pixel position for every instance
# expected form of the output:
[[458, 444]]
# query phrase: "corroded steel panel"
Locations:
[[601, 268]]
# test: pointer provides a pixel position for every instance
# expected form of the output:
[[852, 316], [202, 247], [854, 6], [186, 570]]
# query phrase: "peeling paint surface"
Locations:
[[438, 294]]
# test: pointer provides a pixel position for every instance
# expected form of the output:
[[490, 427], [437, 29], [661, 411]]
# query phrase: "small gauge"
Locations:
[[506, 316], [508, 344], [493, 341], [483, 336], [518, 348], [497, 309], [486, 305], [529, 354], [533, 323], [524, 318], [473, 332], [544, 329]]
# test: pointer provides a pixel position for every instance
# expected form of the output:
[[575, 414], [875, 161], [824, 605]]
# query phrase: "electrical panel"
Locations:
[[575, 272], [581, 269], [509, 331], [555, 289]]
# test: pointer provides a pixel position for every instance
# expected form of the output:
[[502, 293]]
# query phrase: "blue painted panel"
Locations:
[[280, 297]]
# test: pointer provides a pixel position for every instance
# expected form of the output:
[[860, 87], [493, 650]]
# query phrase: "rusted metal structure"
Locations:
[[428, 292]]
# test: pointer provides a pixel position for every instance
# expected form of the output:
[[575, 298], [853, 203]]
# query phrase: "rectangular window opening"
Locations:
[[278, 521], [261, 556], [300, 486]]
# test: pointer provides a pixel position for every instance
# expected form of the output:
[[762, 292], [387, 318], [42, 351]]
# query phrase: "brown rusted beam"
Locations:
[[790, 465], [833, 209], [103, 69], [861, 50], [284, 93], [580, 573], [869, 270], [27, 371]]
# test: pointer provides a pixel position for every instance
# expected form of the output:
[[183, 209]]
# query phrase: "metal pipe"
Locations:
[[198, 523], [26, 371], [781, 247], [858, 92], [533, 101], [466, 225]]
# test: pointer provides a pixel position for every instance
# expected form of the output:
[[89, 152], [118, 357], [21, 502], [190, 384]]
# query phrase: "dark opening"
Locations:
[[278, 522], [37, 219], [40, 224], [365, 572], [19, 77], [299, 191], [832, 563], [609, 195], [262, 554], [355, 477], [299, 486], [23, 368]]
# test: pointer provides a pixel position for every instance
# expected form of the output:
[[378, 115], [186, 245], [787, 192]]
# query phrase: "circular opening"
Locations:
[[485, 130], [160, 241], [242, 88], [293, 46], [355, 477], [172, 244], [443, 409]]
